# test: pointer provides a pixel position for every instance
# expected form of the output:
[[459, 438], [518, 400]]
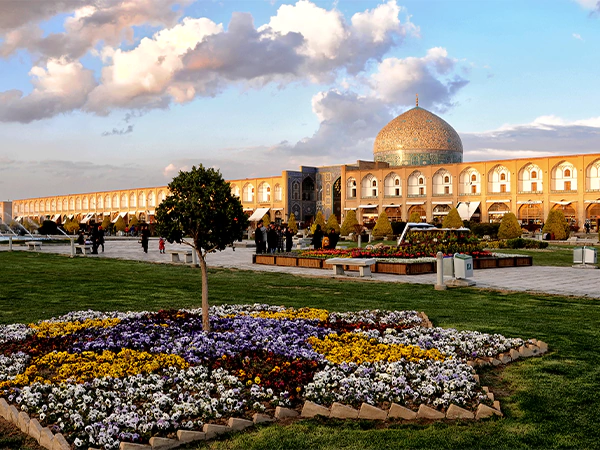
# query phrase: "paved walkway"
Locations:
[[552, 280]]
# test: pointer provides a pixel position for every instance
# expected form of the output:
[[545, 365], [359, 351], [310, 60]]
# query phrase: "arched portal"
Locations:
[[337, 199]]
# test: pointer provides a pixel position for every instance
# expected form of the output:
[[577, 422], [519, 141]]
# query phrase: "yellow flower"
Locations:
[[257, 380]]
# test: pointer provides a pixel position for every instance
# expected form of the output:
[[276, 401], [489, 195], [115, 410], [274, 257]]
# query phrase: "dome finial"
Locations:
[[417, 99]]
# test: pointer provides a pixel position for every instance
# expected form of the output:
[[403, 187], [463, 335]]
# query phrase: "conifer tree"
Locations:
[[120, 224], [332, 222], [292, 225], [133, 221], [349, 223], [266, 220], [383, 227], [319, 220], [415, 216], [71, 226], [106, 222], [452, 220], [509, 227], [557, 225]]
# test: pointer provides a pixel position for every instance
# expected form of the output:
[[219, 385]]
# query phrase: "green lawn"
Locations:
[[549, 402], [559, 256]]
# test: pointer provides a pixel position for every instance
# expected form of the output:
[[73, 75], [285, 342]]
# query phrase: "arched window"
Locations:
[[473, 177], [248, 193], [151, 201], [446, 179], [132, 200], [100, 202], [161, 197], [421, 180], [235, 190], [141, 200], [369, 186], [278, 193], [115, 201], [351, 188], [264, 192], [567, 173], [534, 174], [123, 201], [392, 185], [295, 190], [502, 177]]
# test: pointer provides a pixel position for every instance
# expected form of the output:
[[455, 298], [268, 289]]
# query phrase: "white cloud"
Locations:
[[578, 37], [61, 86], [588, 4]]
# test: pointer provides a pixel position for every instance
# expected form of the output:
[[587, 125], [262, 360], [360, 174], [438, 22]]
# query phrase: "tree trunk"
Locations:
[[203, 270]]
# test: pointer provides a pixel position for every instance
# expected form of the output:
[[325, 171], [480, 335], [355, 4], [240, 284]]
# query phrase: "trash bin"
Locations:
[[463, 266], [584, 255], [578, 255]]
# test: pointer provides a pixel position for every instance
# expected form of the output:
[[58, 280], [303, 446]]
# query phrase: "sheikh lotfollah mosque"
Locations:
[[417, 167]]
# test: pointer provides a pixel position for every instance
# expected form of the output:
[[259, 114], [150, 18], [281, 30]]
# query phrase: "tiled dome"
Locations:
[[418, 137]]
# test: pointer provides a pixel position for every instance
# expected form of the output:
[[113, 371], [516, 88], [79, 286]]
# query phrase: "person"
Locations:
[[80, 238], [333, 239], [145, 237], [289, 235], [317, 238], [258, 238], [587, 227], [264, 238], [272, 238], [95, 240], [101, 237], [280, 239], [161, 245]]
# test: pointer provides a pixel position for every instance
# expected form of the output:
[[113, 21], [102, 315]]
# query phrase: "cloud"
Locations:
[[118, 132], [60, 87], [589, 4], [544, 136], [578, 37], [109, 21], [15, 13]]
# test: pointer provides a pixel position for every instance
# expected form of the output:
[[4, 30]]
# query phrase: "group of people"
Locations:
[[95, 238], [326, 241], [273, 238]]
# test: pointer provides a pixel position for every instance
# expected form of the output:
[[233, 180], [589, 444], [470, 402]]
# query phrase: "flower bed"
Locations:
[[101, 378]]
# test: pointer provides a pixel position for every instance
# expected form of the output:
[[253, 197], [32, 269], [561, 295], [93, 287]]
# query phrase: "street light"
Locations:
[[468, 215]]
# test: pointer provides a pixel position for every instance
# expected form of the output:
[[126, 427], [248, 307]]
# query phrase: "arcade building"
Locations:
[[417, 166]]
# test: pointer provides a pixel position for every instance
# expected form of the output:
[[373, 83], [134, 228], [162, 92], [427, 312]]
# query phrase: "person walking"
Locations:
[[145, 237], [161, 245], [101, 237]]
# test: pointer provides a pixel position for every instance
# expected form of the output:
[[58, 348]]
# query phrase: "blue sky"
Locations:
[[107, 94]]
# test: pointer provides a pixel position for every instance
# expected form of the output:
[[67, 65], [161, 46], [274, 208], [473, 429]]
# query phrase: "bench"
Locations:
[[34, 245], [178, 256], [364, 265], [83, 249]]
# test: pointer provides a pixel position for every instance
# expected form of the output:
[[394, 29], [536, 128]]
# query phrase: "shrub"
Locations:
[[332, 222], [133, 221], [292, 223], [266, 220], [415, 217], [452, 220], [319, 220], [398, 227], [71, 226], [525, 243], [120, 224], [106, 223], [485, 229], [382, 227], [48, 227], [509, 227], [349, 223], [557, 225]]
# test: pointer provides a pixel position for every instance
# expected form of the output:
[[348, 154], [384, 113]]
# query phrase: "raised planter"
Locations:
[[523, 261], [313, 263], [485, 263], [286, 261], [264, 259], [393, 268], [506, 262], [419, 268]]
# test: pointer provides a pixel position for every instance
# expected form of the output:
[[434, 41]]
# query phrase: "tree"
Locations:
[[415, 216], [106, 223], [120, 224], [48, 227], [71, 226], [201, 212], [319, 220], [332, 223], [557, 225], [452, 220], [266, 220], [509, 227], [133, 221], [382, 227], [292, 225], [349, 223]]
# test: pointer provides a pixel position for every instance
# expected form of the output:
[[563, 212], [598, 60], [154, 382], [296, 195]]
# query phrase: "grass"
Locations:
[[552, 256], [548, 402]]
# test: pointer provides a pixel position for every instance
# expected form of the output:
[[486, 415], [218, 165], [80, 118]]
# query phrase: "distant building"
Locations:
[[417, 167]]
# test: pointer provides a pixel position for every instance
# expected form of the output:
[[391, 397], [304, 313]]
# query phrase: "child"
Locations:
[[161, 245]]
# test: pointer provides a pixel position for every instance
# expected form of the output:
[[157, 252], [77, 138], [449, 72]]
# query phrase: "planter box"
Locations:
[[393, 268], [506, 262], [313, 263], [418, 268], [286, 261], [485, 263], [524, 261], [264, 259]]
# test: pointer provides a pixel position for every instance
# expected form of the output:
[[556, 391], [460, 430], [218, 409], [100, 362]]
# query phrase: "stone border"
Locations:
[[533, 347]]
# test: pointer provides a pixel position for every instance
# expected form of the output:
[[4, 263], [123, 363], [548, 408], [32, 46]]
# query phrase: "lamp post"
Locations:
[[468, 212]]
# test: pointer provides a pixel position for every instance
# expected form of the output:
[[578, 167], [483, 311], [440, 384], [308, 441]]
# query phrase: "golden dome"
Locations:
[[418, 137]]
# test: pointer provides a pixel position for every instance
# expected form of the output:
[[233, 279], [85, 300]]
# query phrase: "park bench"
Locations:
[[83, 249], [178, 256], [363, 264], [33, 245]]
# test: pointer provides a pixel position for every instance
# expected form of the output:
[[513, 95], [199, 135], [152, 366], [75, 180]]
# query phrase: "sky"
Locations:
[[114, 94]]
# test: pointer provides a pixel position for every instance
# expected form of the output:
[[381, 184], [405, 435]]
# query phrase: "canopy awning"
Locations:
[[368, 206], [258, 214], [561, 202], [392, 206], [592, 201], [498, 201], [70, 216], [530, 202], [55, 217], [466, 212], [442, 203], [349, 209], [415, 203], [498, 212], [121, 214], [87, 218]]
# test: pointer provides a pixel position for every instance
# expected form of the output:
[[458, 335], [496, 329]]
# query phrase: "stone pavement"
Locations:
[[551, 280]]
